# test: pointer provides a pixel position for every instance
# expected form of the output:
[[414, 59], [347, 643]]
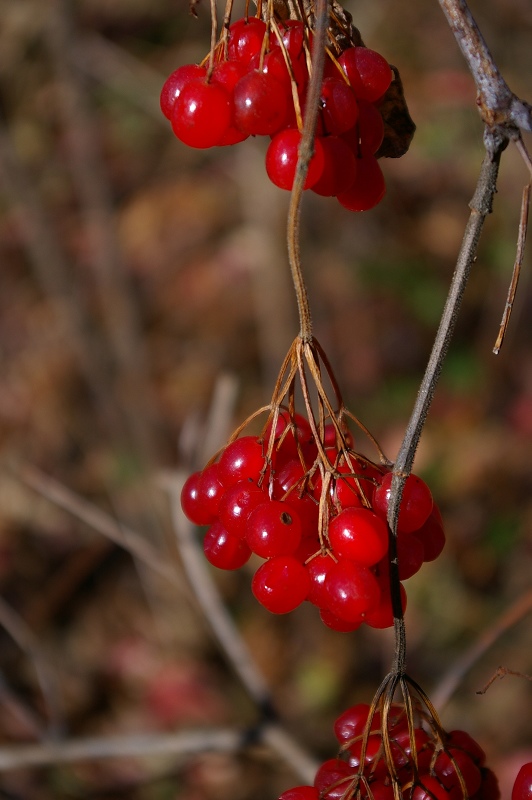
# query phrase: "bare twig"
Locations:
[[21, 633], [182, 746], [481, 206], [99, 521], [502, 111], [450, 682], [94, 193], [499, 674]]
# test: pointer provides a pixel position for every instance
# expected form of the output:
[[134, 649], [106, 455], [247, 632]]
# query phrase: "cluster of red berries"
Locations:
[[323, 532], [449, 769], [257, 87]]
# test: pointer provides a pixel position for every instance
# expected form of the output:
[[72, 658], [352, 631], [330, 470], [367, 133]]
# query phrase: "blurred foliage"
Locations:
[[101, 380]]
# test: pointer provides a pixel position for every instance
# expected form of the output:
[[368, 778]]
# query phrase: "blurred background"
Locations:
[[140, 278]]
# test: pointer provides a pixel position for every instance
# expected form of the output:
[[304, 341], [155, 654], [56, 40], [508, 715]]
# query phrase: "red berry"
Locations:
[[432, 537], [461, 740], [351, 723], [429, 788], [300, 793], [336, 623], [174, 84], [201, 114], [281, 584], [339, 168], [282, 156], [358, 534], [223, 549], [245, 39], [318, 568], [451, 763], [241, 460], [333, 778], [293, 36], [370, 128], [261, 104], [227, 74], [211, 490], [192, 502], [273, 530], [368, 188], [338, 106], [490, 787], [352, 590], [416, 502], [522, 788], [382, 615], [369, 73], [237, 504]]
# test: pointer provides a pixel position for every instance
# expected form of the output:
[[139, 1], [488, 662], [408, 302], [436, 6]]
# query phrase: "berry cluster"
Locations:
[[255, 85], [315, 510], [424, 765]]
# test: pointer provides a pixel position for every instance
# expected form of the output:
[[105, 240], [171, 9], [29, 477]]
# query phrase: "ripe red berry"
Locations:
[[369, 73], [237, 504], [338, 106], [339, 168], [416, 502], [368, 188], [201, 114], [352, 590], [522, 788], [452, 763], [318, 568], [332, 778], [351, 722], [227, 74], [293, 36], [337, 624], [432, 537], [273, 530], [241, 460], [300, 793], [261, 104], [174, 84], [245, 39], [192, 502], [358, 534], [281, 584], [382, 615], [223, 549], [429, 788], [282, 156]]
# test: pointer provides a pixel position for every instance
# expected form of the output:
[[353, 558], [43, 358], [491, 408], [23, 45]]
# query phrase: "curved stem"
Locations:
[[481, 206], [306, 151]]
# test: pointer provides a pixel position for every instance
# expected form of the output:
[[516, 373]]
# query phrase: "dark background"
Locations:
[[134, 273]]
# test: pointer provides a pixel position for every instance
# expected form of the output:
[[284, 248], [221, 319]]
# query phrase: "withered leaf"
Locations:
[[399, 127]]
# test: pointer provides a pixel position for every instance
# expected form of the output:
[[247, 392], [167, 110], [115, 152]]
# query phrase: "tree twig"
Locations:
[[481, 206], [450, 682]]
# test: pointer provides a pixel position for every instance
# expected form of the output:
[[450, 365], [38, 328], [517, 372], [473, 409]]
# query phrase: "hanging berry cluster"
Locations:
[[301, 497], [399, 750], [254, 83]]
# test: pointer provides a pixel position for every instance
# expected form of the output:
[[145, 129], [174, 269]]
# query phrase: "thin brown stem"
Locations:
[[306, 151]]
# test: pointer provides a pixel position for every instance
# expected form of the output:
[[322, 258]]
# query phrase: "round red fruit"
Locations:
[[260, 104], [241, 460], [339, 168], [300, 793], [223, 549], [368, 188], [201, 114], [359, 534], [416, 502], [338, 106], [522, 788], [192, 502], [282, 156], [281, 584], [273, 529], [368, 72], [174, 84], [237, 504], [245, 39], [352, 590]]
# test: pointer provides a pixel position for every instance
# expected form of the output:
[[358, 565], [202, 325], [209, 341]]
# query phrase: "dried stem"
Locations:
[[481, 206], [306, 151]]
